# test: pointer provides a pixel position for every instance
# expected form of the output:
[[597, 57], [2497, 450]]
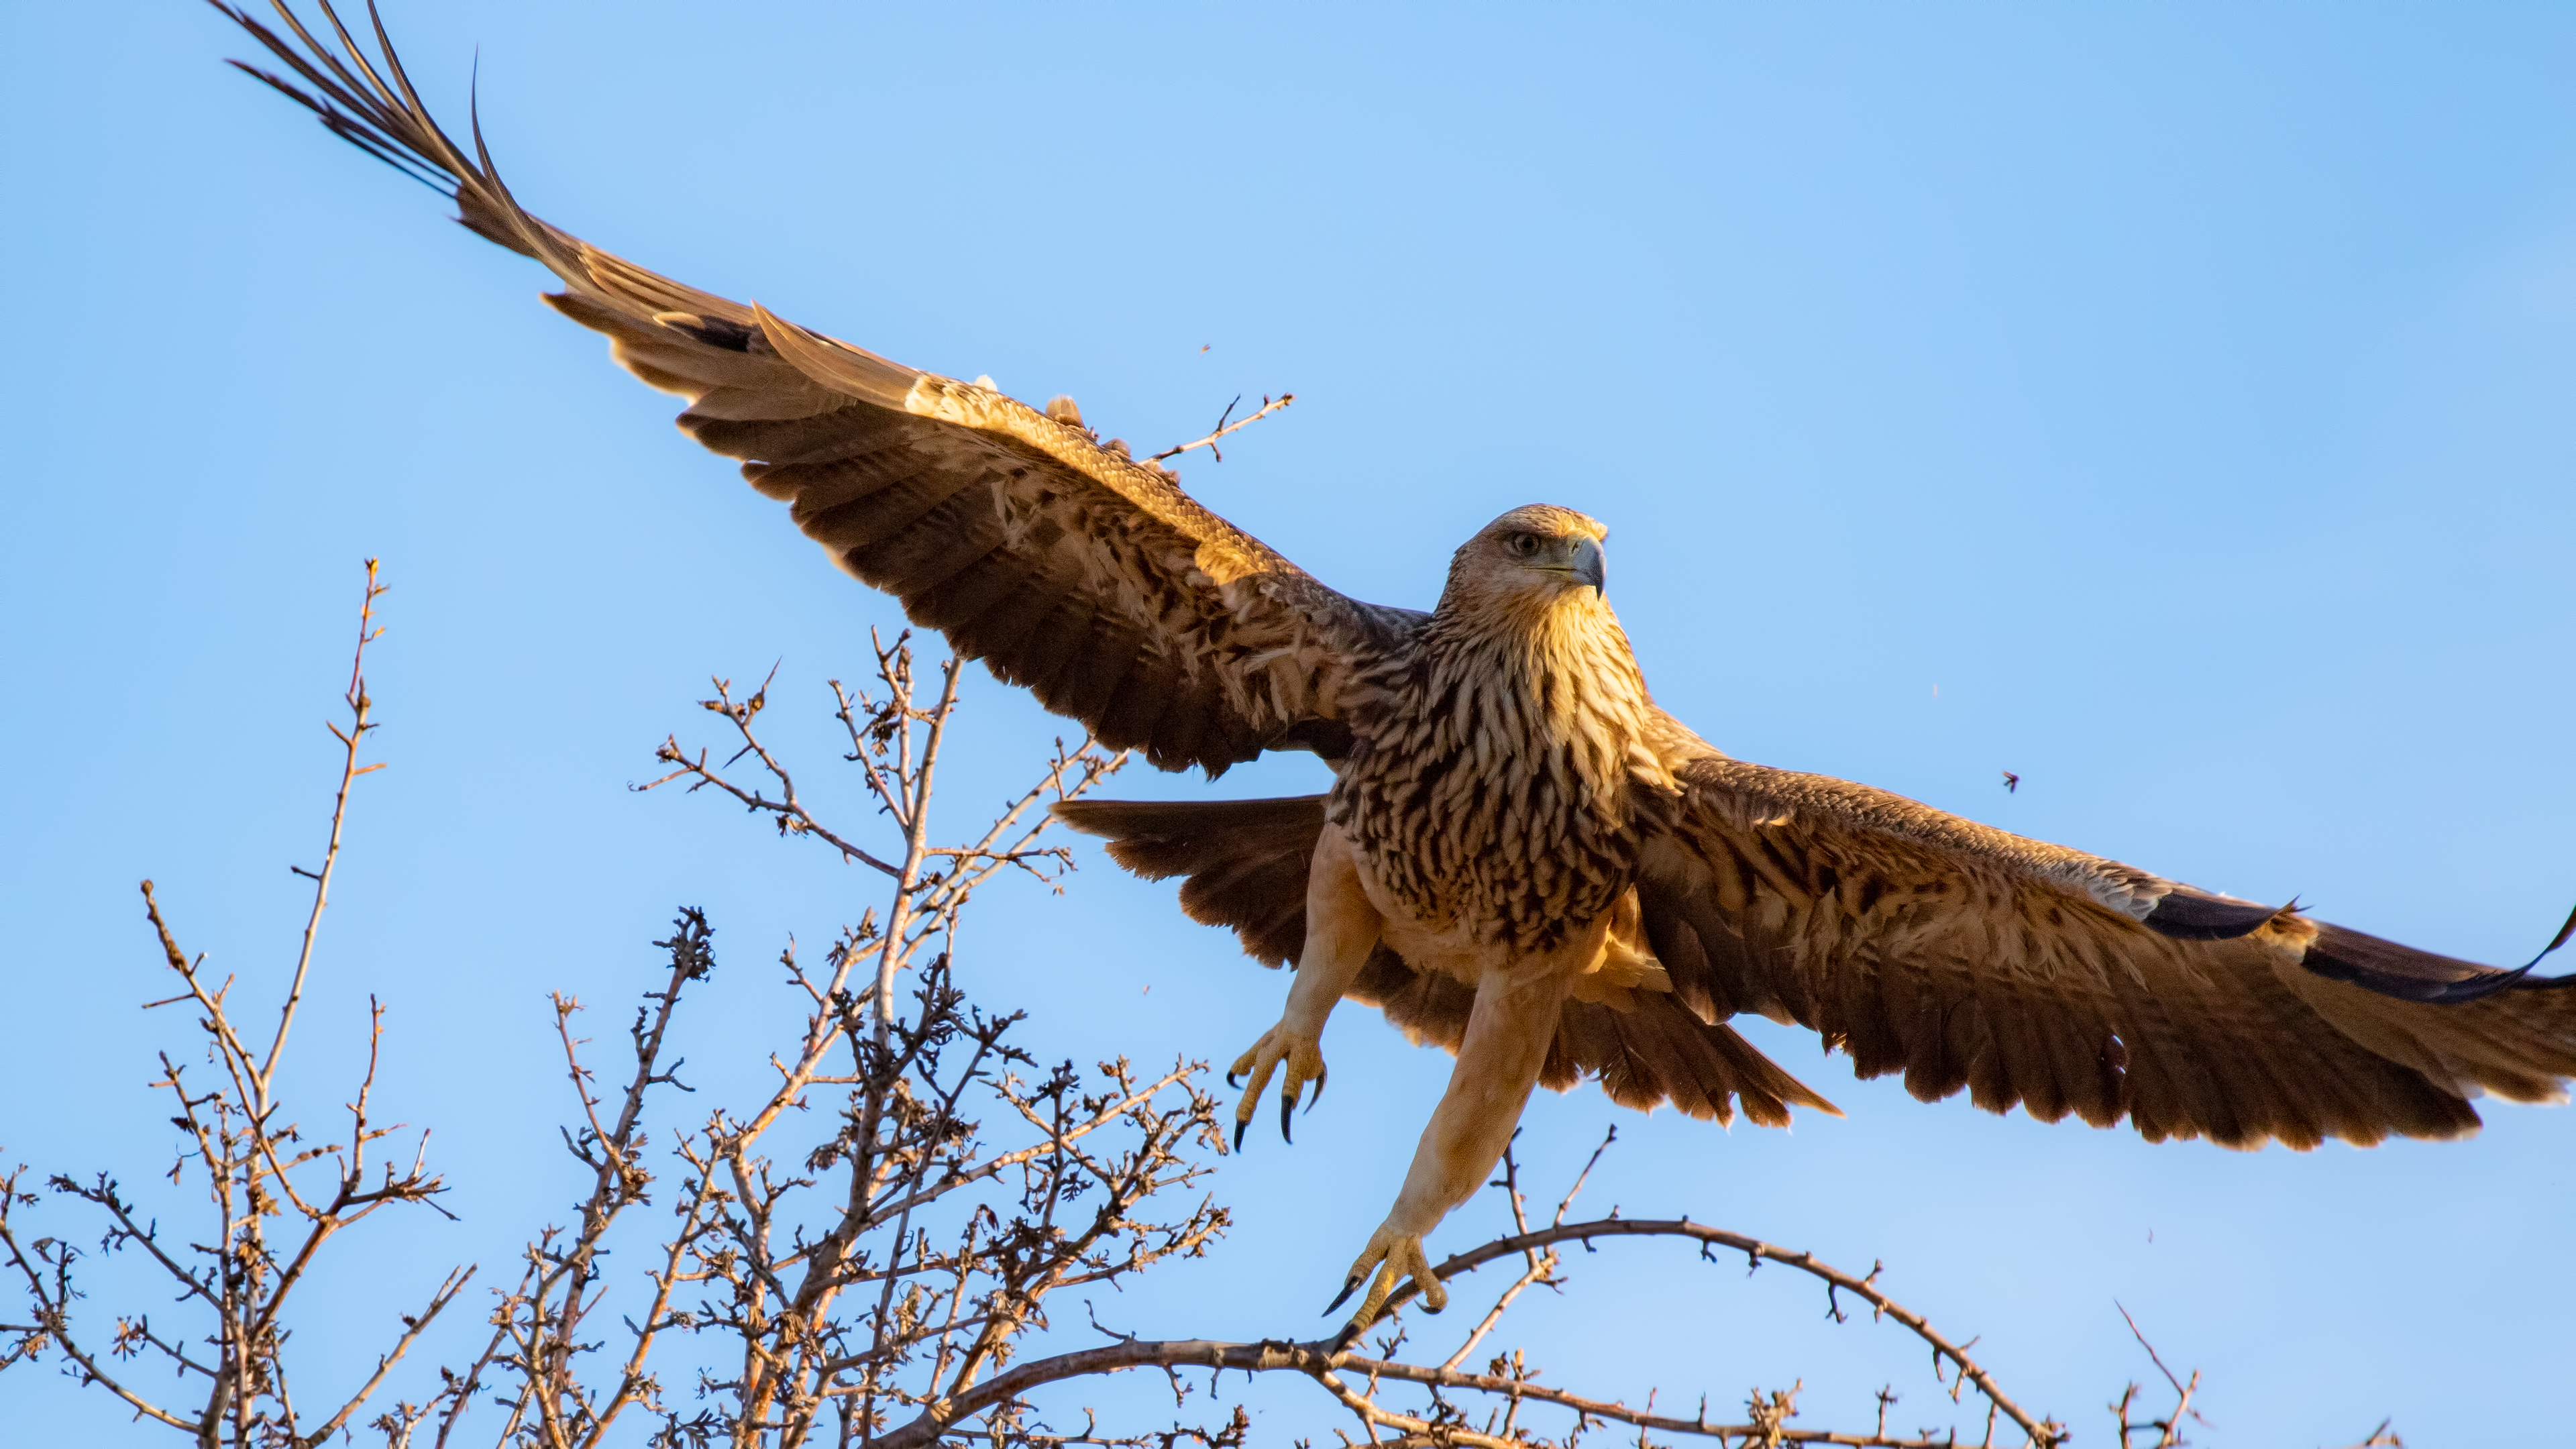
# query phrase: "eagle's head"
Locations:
[[1527, 565]]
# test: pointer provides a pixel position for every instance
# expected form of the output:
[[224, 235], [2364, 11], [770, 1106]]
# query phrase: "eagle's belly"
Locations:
[[1459, 866], [1455, 945], [1606, 951]]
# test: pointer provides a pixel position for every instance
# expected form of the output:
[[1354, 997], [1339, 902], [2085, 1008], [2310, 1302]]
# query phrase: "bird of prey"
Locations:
[[1522, 859]]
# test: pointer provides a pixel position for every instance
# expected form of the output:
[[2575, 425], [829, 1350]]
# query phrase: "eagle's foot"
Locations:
[[1396, 1256], [1302, 1052]]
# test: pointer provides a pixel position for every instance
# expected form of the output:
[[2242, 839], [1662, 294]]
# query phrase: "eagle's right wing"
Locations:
[[1065, 565]]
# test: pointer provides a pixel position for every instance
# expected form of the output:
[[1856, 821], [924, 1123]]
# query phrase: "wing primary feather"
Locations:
[[2390, 969], [721, 332], [2190, 915], [351, 131], [2564, 932]]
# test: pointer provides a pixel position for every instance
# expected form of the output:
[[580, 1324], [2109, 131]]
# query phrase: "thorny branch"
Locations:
[[793, 818], [2168, 1430], [1757, 1252], [1510, 1377], [359, 724], [1542, 1266]]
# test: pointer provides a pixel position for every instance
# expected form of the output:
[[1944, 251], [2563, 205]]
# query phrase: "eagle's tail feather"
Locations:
[[1245, 860]]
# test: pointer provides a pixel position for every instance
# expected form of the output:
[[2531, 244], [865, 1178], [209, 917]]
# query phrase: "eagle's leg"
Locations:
[[1342, 929], [1508, 1034]]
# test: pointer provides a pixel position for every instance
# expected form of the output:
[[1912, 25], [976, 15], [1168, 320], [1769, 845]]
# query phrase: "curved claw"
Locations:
[[1289, 1088], [1396, 1256], [1349, 1286], [1281, 1046]]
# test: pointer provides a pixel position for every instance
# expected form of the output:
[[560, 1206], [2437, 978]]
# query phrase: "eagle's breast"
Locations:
[[1495, 778]]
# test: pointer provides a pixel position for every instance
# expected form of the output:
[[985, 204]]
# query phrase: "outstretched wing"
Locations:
[[1066, 566], [1243, 864], [2027, 973]]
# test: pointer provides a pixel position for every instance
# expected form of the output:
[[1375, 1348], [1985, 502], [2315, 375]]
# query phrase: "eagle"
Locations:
[[1522, 859]]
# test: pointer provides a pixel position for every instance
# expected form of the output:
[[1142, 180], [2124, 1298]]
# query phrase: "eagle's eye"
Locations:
[[1521, 545]]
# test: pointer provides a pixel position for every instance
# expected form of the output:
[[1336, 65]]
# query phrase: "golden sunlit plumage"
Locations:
[[1522, 859]]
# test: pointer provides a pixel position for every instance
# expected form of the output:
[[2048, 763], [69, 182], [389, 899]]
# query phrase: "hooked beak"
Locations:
[[1589, 565]]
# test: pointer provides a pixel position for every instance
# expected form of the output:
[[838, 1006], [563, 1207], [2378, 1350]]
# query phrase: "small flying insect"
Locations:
[[2012, 783]]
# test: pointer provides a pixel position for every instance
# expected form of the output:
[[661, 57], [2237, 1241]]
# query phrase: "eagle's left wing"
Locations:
[[1963, 956], [1064, 564]]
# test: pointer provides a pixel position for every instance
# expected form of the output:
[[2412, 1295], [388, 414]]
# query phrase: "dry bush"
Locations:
[[867, 1256]]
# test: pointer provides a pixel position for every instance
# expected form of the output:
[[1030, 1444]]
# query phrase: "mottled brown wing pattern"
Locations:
[[1067, 566], [1087, 578], [1966, 958]]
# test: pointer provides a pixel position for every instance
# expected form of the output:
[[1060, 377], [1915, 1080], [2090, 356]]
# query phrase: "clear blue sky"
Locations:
[[2170, 404]]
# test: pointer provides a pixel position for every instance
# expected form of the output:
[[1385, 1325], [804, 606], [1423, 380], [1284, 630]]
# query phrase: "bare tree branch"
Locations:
[[1756, 1252], [360, 708]]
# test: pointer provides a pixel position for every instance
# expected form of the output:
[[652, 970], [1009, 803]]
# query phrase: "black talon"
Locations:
[[1231, 1082], [1287, 1110], [1239, 1125], [1344, 1296], [1319, 1089]]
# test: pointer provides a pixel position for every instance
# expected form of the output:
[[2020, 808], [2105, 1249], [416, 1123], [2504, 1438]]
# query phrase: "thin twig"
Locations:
[[360, 706], [2168, 1429], [1269, 405]]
